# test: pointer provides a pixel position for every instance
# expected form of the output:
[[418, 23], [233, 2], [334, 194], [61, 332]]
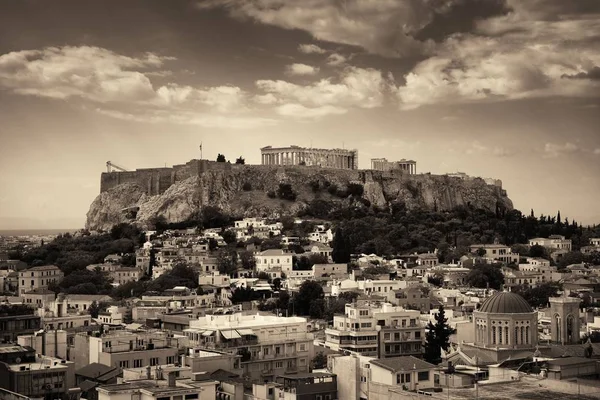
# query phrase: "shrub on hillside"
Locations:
[[247, 187], [285, 192]]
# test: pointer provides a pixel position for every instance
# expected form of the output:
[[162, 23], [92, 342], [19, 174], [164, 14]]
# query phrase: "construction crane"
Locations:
[[110, 166]]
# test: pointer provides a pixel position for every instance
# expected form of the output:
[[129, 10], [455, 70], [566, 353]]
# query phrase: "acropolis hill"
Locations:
[[179, 192]]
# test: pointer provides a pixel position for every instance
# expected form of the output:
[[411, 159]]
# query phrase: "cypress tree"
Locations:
[[437, 337]]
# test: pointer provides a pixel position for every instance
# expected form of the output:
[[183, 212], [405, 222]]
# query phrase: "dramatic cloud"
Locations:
[[379, 26], [356, 87], [509, 57], [88, 72], [301, 69], [310, 49], [104, 77]]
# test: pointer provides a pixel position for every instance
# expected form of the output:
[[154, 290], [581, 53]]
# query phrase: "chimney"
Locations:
[[148, 372], [171, 379]]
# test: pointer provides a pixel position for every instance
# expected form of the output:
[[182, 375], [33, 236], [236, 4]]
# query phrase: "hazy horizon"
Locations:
[[506, 89]]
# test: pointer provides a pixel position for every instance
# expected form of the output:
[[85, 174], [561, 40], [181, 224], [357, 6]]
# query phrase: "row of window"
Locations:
[[405, 378]]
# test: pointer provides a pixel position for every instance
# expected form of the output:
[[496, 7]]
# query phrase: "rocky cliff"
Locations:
[[242, 191]]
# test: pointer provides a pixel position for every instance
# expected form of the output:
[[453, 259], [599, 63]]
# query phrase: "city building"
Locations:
[[16, 320], [505, 326], [202, 360], [565, 324], [410, 373], [23, 371], [296, 155], [406, 166], [269, 345], [306, 386], [39, 277], [553, 242], [496, 252], [47, 343], [273, 258], [126, 349], [121, 275], [160, 386], [376, 329]]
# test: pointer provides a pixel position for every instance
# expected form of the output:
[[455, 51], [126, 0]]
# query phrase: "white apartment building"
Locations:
[[496, 252], [272, 258], [376, 329], [554, 242], [39, 277], [269, 345]]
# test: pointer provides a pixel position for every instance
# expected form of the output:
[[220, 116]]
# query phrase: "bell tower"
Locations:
[[564, 314]]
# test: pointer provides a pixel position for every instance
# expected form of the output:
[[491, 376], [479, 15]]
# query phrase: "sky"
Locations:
[[508, 89]]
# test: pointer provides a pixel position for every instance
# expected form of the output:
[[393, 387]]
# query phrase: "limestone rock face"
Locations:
[[242, 192]]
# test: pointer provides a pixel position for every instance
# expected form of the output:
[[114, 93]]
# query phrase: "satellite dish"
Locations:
[[18, 360]]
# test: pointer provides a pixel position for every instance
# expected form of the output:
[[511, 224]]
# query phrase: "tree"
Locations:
[[436, 279], [340, 247], [94, 309], [539, 295], [480, 252], [485, 276], [227, 261], [229, 236], [220, 158], [240, 160], [286, 192], [538, 251], [247, 259], [437, 337], [319, 361], [310, 292]]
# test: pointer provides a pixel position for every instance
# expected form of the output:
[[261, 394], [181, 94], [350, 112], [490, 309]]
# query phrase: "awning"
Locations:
[[208, 333], [230, 334], [246, 332]]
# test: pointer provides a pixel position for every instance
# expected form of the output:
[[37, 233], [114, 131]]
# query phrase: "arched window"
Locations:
[[527, 335], [516, 335], [506, 334], [557, 326], [522, 335], [499, 335], [569, 333], [493, 335]]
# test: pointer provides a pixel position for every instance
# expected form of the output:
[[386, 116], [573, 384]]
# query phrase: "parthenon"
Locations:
[[296, 155]]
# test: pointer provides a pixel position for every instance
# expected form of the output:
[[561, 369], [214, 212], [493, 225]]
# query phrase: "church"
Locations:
[[505, 327]]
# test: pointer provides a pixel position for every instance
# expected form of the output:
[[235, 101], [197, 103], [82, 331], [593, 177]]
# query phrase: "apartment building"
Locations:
[[162, 385], [376, 329], [126, 349], [121, 275], [16, 320], [496, 252], [553, 242], [24, 372], [39, 277], [269, 345], [270, 259]]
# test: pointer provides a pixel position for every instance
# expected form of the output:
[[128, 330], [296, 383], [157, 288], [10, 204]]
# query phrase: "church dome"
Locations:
[[505, 303]]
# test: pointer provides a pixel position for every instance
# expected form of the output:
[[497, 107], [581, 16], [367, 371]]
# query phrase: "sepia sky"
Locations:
[[508, 89]]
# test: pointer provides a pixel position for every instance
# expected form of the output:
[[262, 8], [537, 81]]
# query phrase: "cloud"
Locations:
[[300, 111], [552, 150], [301, 69], [597, 151], [378, 26], [311, 49], [593, 74], [88, 72], [265, 99], [108, 79], [356, 87], [336, 59]]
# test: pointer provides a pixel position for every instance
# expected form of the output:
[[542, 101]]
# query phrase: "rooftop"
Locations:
[[405, 363], [43, 268]]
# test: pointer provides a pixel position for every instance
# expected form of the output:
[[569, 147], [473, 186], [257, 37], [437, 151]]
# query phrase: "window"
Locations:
[[418, 335], [124, 364], [266, 351], [278, 364], [137, 363], [191, 396], [386, 336], [303, 347], [423, 376], [277, 350], [171, 360], [154, 361]]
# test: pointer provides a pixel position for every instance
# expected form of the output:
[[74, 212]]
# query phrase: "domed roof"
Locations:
[[505, 303]]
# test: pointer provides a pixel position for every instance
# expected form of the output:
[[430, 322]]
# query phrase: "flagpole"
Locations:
[[201, 150]]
